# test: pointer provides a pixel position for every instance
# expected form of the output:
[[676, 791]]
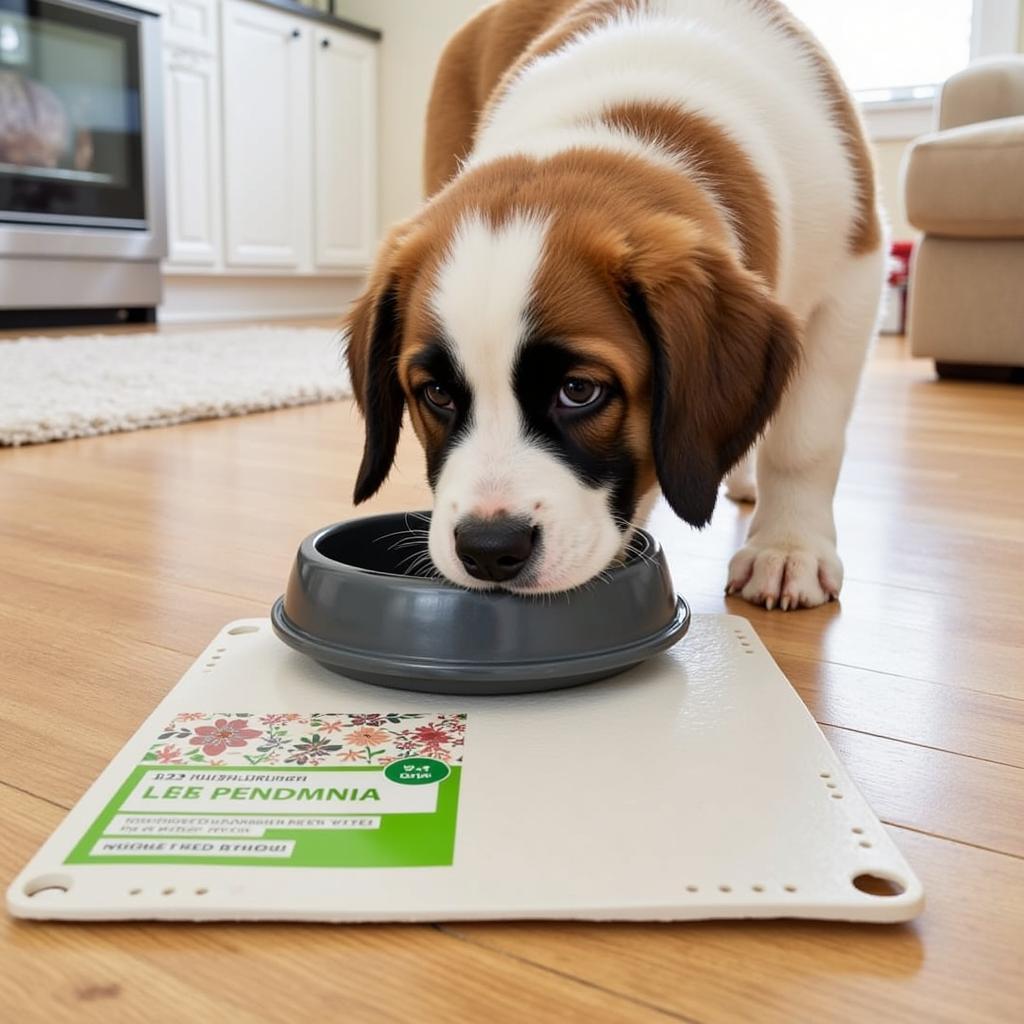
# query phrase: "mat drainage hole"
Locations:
[[202, 891], [837, 796], [134, 892], [825, 775], [857, 831], [878, 885], [221, 650], [692, 888], [725, 888], [241, 630], [47, 884], [757, 888], [789, 888], [865, 844], [169, 891], [831, 785], [211, 664]]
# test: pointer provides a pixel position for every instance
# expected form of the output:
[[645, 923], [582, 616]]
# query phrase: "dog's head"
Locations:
[[557, 367]]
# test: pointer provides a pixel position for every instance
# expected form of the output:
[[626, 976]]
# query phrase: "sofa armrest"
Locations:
[[984, 91], [968, 182]]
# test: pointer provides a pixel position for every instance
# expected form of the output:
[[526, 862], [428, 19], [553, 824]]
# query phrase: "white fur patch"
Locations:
[[483, 294], [482, 302]]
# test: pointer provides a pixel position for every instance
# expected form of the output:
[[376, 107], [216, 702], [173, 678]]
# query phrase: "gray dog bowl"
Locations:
[[350, 607]]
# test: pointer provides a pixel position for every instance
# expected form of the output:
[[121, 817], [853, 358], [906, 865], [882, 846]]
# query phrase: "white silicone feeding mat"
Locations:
[[265, 787]]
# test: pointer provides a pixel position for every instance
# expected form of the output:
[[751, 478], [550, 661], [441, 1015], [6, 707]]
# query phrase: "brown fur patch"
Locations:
[[723, 164], [722, 354], [475, 59], [483, 56]]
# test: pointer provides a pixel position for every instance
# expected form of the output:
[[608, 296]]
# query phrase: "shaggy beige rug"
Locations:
[[75, 386]]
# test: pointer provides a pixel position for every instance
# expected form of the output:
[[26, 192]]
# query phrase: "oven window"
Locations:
[[70, 115]]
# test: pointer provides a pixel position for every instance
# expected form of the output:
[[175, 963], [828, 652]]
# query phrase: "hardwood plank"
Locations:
[[911, 710], [266, 972], [962, 962], [933, 791], [181, 504], [105, 684], [136, 606]]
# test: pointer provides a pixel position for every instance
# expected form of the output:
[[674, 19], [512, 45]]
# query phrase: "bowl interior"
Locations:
[[391, 545], [381, 544]]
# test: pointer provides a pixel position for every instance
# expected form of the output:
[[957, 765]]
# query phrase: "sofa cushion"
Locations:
[[968, 182]]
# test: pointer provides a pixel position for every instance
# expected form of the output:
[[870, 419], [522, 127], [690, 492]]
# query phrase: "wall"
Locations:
[[415, 32], [888, 160]]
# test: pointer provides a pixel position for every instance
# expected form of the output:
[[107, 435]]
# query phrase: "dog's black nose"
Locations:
[[494, 549]]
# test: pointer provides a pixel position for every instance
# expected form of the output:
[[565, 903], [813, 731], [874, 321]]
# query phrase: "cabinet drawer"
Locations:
[[192, 23]]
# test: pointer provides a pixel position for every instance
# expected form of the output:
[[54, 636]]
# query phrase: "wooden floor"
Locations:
[[121, 556]]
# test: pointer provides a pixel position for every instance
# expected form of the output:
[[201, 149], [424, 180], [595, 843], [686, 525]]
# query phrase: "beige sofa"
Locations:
[[964, 188]]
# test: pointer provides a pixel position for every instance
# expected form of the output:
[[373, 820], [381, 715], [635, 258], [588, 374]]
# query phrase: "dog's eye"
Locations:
[[438, 397], [578, 392]]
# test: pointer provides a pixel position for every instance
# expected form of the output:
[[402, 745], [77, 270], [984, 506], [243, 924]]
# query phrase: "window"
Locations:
[[895, 54]]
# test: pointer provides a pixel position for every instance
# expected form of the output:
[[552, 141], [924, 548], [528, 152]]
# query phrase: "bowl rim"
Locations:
[[405, 667], [309, 549]]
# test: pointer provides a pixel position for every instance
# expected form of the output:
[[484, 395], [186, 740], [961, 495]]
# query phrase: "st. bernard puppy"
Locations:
[[652, 239]]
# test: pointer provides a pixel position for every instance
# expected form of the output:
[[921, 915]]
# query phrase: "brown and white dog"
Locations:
[[651, 239]]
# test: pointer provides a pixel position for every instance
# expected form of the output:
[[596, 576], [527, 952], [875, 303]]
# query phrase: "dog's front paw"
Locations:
[[786, 575]]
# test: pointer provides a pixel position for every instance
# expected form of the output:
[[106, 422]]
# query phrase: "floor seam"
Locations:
[[888, 675], [35, 796], [950, 839], [922, 746]]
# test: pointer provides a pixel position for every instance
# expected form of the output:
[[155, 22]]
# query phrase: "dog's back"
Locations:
[[738, 88]]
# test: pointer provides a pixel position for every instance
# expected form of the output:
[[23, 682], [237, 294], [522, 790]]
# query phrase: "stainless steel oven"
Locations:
[[81, 162]]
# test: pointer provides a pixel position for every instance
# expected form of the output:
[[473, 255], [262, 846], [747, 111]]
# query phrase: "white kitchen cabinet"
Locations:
[[192, 24], [345, 146], [267, 60], [192, 140], [271, 125]]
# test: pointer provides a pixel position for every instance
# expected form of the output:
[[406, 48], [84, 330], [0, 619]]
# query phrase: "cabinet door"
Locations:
[[267, 136], [345, 116], [192, 138], [192, 24]]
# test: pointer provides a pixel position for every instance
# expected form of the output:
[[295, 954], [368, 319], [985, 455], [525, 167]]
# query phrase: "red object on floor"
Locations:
[[899, 263], [898, 280]]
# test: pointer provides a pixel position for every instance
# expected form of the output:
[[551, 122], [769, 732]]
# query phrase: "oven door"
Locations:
[[80, 130]]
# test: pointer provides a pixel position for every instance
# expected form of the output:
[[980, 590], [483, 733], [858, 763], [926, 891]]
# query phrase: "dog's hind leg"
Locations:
[[790, 558]]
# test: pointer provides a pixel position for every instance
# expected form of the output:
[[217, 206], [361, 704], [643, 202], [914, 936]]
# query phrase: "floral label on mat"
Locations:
[[298, 790]]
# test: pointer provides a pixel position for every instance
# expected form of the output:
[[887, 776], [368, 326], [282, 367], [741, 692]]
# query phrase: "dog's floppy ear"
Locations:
[[722, 352], [373, 336]]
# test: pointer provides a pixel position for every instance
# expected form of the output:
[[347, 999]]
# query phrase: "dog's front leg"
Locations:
[[790, 558]]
